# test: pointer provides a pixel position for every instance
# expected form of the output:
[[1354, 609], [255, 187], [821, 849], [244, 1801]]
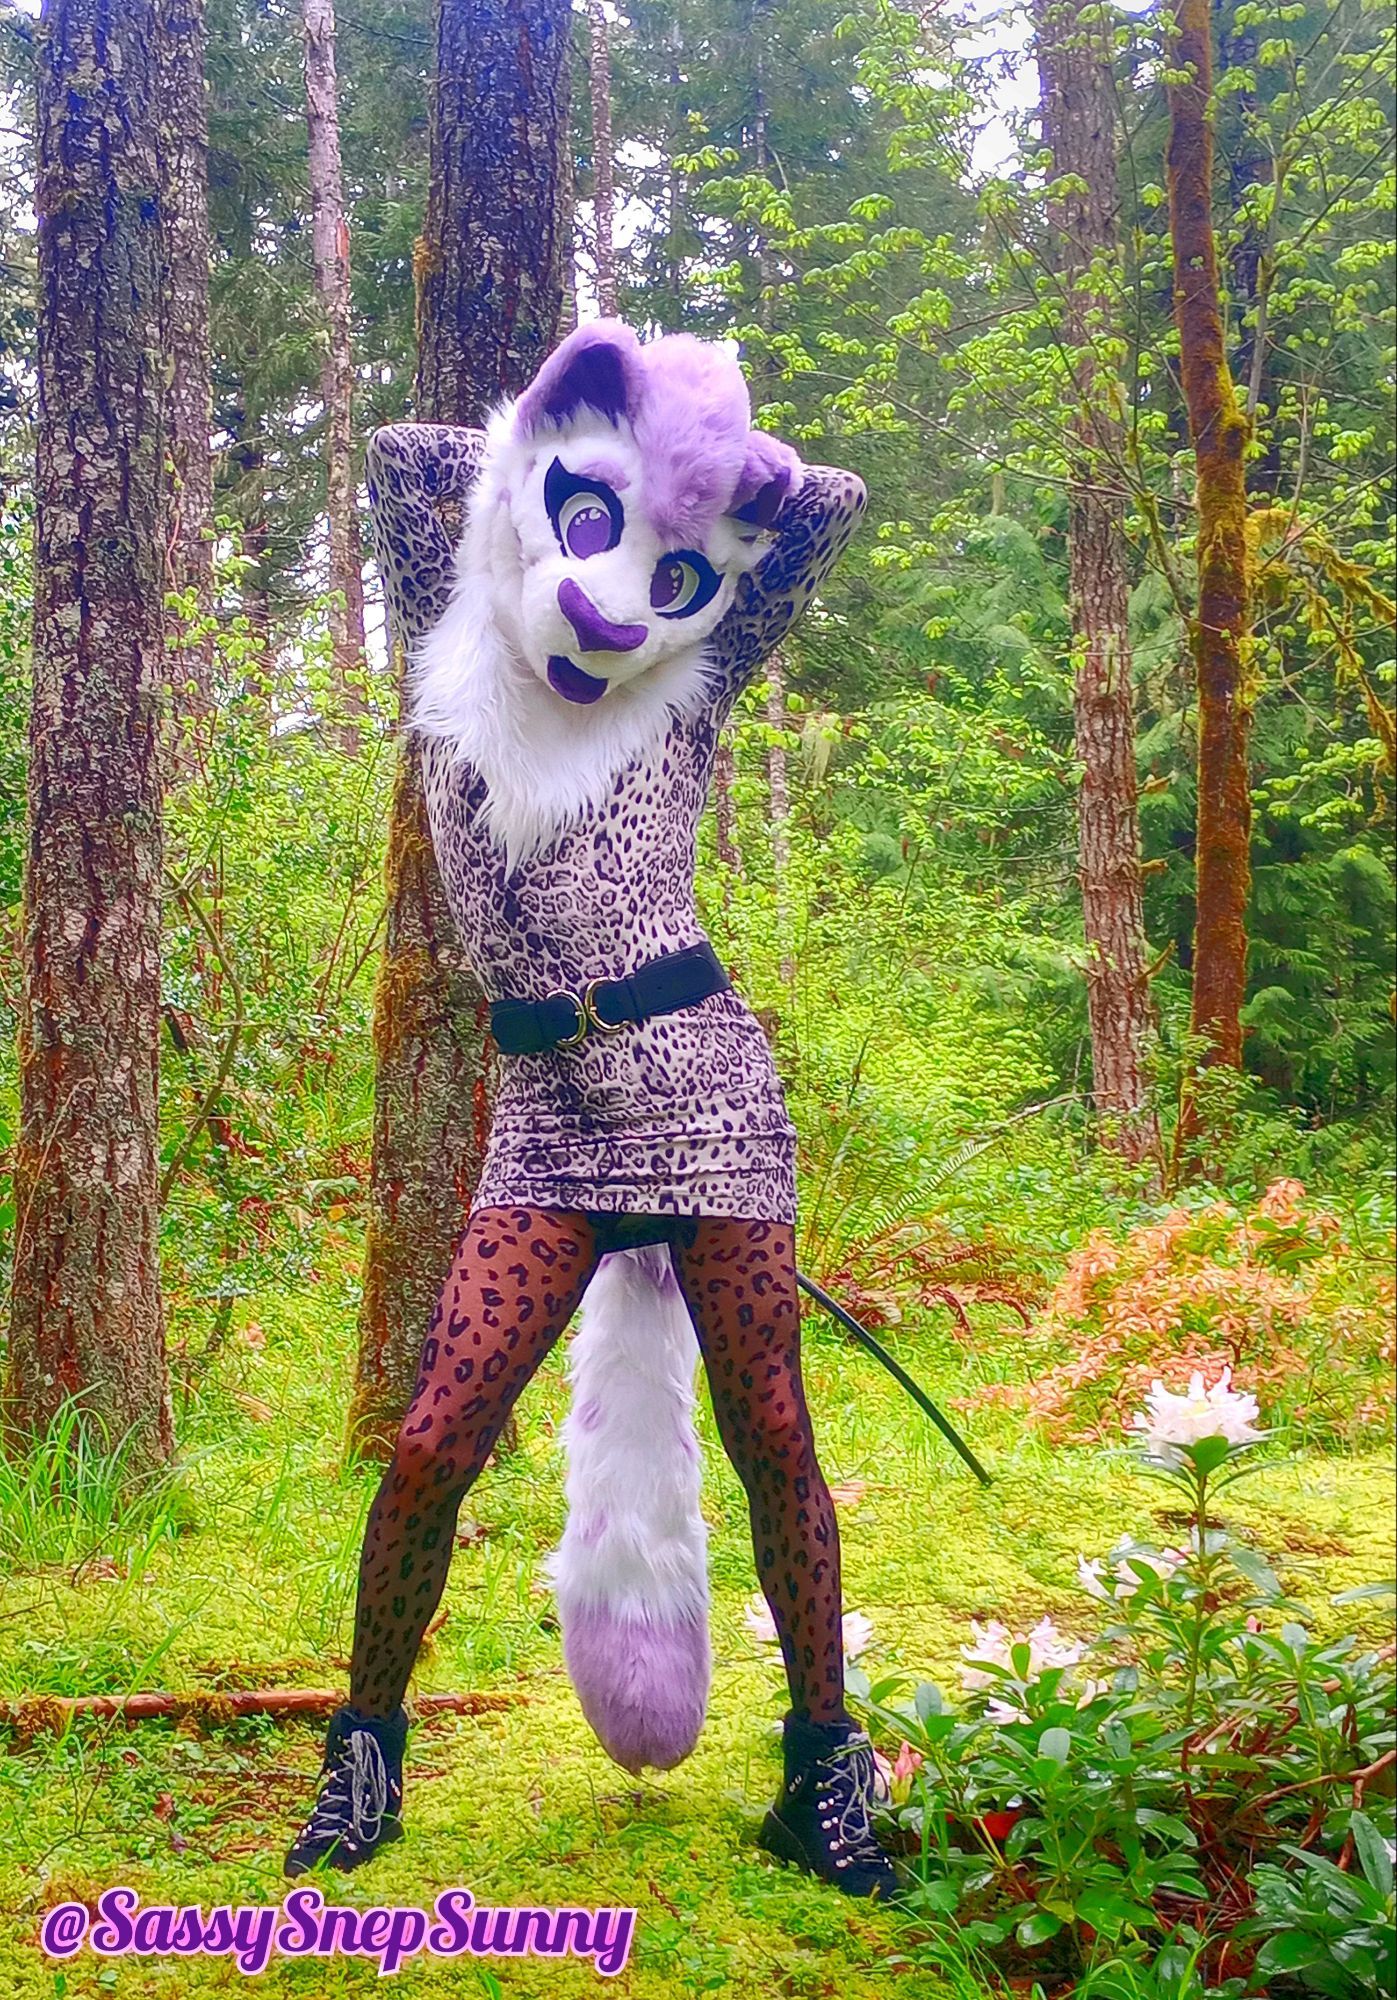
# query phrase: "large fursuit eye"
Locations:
[[586, 515], [682, 584]]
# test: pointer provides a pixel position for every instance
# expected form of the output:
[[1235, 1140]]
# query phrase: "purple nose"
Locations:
[[596, 634]]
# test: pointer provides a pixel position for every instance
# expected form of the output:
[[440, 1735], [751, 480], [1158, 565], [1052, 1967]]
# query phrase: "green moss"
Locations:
[[523, 1806]]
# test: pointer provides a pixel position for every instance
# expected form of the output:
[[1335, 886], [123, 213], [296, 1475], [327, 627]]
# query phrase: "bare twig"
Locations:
[[33, 1715], [230, 1047]]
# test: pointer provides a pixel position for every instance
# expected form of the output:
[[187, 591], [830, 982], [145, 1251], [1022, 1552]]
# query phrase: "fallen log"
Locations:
[[40, 1714]]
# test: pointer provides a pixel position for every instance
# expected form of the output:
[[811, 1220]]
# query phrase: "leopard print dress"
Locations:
[[681, 1114]]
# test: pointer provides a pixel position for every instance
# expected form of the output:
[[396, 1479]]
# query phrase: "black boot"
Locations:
[[359, 1805], [821, 1818]]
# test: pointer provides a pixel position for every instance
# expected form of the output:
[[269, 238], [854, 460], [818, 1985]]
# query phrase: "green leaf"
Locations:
[[1038, 1928], [928, 1700], [1362, 1593], [1372, 1852], [1289, 1951], [942, 1896], [1209, 1453], [1257, 1571], [1055, 1744]]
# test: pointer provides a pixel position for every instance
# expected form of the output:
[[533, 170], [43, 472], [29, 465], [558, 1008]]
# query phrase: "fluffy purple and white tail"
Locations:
[[631, 1572]]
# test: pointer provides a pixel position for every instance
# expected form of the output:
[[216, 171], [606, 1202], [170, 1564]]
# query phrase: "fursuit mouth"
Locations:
[[566, 678]]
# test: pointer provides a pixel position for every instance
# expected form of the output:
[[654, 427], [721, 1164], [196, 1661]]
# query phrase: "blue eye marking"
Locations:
[[684, 581], [586, 515]]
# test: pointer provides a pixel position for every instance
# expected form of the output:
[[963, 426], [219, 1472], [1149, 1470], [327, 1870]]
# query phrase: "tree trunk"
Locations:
[[1074, 66], [182, 45], [603, 157], [491, 257], [86, 1315], [490, 269], [674, 198], [1249, 165], [330, 250], [245, 452], [778, 791], [1219, 432], [567, 198], [725, 804]]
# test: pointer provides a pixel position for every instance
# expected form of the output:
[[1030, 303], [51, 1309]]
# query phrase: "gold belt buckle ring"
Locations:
[[589, 1007], [579, 1007]]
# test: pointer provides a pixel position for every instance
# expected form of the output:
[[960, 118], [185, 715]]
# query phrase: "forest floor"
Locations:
[[243, 1575]]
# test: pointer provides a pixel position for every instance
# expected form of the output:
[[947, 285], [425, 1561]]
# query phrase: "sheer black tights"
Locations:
[[517, 1277]]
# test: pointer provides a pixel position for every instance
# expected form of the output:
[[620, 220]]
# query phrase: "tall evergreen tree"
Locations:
[[490, 264], [86, 1316], [182, 48], [1219, 430], [603, 157], [330, 250], [1074, 51]]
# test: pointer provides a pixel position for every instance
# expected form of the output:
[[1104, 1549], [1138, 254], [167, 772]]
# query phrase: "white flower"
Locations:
[[1090, 1575], [858, 1630], [759, 1621], [1170, 1422], [882, 1780], [858, 1634], [995, 1643], [1124, 1580], [994, 1646]]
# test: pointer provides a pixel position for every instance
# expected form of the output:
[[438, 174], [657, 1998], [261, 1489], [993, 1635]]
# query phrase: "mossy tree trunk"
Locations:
[[1219, 431], [330, 255], [603, 156], [182, 47], [86, 1315], [490, 285], [1073, 45]]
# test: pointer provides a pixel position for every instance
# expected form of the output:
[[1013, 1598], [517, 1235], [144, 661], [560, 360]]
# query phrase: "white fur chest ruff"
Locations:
[[544, 762]]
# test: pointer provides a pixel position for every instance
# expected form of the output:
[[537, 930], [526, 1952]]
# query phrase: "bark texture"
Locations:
[[330, 251], [779, 795], [725, 804], [492, 253], [490, 269], [182, 46], [1074, 66], [603, 156], [1219, 432], [86, 1310]]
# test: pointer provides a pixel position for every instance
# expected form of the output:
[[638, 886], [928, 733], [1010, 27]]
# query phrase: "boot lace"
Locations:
[[844, 1793], [354, 1795]]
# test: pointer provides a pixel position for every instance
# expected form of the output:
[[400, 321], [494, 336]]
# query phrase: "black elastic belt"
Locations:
[[561, 1020]]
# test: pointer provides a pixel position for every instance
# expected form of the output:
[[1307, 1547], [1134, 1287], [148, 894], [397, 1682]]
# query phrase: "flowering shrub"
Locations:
[[1280, 1291], [1195, 1800]]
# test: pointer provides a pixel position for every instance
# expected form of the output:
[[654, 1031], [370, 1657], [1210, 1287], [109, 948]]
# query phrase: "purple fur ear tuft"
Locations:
[[593, 367], [771, 473]]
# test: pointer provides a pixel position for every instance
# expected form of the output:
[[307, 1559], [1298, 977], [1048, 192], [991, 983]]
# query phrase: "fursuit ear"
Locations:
[[597, 367], [771, 474]]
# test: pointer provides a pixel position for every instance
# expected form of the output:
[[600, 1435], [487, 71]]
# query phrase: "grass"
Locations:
[[242, 1572]]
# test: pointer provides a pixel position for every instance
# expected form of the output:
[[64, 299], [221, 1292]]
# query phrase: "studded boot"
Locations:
[[821, 1819], [358, 1808]]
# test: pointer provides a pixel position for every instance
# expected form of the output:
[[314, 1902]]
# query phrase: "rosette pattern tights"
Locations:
[[517, 1277]]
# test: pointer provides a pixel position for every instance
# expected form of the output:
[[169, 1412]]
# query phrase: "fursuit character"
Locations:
[[632, 551], [615, 507]]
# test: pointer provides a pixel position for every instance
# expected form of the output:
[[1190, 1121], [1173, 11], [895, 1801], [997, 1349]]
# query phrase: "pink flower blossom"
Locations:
[[994, 1646], [858, 1629], [905, 1767]]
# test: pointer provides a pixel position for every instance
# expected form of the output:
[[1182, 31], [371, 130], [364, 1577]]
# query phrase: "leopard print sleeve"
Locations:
[[812, 531], [418, 479]]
